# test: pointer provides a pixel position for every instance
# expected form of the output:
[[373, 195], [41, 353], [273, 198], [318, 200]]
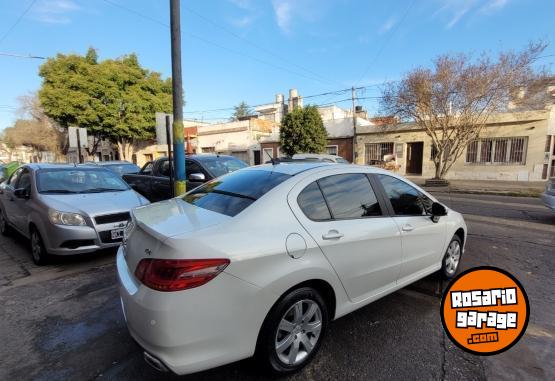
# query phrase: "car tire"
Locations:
[[452, 258], [293, 331], [4, 225], [38, 251]]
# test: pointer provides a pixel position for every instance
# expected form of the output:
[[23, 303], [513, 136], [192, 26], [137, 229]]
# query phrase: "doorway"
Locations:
[[414, 158], [256, 157]]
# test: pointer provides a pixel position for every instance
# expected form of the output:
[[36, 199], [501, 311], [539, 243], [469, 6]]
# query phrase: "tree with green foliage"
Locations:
[[241, 110], [115, 99], [302, 131]]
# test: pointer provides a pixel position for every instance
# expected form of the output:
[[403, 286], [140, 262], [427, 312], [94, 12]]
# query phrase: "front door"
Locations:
[[362, 243], [423, 240], [414, 158]]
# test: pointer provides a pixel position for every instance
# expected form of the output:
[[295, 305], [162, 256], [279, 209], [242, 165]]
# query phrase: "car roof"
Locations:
[[296, 167], [316, 156], [36, 166], [112, 162]]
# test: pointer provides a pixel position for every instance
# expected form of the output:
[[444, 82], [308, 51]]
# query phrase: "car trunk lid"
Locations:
[[155, 223]]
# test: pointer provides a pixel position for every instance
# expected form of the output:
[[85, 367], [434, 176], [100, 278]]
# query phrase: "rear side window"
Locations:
[[232, 193], [312, 203], [405, 199], [350, 196]]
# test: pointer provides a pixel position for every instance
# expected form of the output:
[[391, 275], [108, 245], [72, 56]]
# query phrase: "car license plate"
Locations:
[[117, 234]]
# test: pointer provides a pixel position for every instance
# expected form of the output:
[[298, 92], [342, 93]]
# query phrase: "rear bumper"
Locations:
[[196, 329], [548, 200]]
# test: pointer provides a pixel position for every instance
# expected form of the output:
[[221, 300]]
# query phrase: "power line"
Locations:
[[17, 21], [22, 55], [386, 41], [335, 93], [238, 36], [146, 17]]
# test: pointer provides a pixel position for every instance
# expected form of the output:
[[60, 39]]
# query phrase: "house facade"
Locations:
[[517, 146]]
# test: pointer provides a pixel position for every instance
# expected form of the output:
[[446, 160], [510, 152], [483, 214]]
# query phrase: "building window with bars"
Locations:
[[497, 151], [375, 152]]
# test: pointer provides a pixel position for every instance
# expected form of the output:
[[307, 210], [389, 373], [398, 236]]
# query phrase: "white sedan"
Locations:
[[259, 261]]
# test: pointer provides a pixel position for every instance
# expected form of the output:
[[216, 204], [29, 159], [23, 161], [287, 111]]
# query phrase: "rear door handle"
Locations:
[[407, 228], [332, 234]]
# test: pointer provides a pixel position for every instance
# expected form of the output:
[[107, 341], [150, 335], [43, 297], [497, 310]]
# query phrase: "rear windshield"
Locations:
[[234, 192]]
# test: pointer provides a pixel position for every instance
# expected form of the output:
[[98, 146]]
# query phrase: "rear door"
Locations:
[[343, 214], [423, 240]]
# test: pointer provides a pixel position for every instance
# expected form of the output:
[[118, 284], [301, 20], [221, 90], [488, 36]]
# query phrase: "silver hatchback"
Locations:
[[65, 209]]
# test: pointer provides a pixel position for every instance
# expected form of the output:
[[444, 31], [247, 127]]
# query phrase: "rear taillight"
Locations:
[[178, 274]]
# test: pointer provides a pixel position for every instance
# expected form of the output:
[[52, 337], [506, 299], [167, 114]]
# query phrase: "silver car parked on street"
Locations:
[[65, 209]]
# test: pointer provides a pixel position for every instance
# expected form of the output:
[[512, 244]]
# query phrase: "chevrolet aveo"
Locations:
[[259, 261]]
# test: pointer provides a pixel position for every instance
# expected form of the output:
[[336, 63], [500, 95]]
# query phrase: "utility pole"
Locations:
[[177, 92], [353, 96]]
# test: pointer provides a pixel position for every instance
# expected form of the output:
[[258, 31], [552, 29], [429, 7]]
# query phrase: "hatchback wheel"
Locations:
[[4, 227], [293, 331], [38, 252], [452, 258]]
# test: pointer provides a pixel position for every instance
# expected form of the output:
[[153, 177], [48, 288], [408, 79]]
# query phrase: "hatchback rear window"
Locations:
[[233, 193]]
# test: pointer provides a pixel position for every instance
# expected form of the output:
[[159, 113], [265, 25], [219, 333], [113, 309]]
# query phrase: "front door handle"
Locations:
[[407, 228], [332, 234]]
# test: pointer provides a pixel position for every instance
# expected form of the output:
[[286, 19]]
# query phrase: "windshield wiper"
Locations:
[[233, 194], [57, 191], [99, 190]]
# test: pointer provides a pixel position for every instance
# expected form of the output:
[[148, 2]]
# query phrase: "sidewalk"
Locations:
[[504, 188]]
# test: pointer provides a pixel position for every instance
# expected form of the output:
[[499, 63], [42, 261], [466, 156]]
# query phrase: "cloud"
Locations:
[[455, 10], [284, 13], [242, 21], [243, 4], [493, 5], [55, 11], [386, 26]]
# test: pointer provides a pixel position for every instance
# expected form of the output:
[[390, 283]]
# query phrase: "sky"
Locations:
[[249, 50]]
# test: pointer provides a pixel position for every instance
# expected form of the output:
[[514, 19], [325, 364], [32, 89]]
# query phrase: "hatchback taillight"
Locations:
[[178, 274]]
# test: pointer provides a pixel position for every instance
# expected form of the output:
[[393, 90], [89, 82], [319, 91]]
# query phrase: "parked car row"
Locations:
[[66, 209]]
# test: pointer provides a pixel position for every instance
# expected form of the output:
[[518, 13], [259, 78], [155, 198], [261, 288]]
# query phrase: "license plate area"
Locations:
[[116, 234]]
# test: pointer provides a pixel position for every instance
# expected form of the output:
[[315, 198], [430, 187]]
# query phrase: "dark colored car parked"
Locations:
[[153, 180]]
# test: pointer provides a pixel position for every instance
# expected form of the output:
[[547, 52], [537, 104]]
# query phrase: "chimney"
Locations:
[[361, 112], [294, 99]]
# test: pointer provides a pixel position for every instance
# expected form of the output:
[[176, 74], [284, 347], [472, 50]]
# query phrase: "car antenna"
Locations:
[[272, 160]]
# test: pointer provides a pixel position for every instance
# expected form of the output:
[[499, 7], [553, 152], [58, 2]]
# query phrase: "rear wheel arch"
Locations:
[[321, 286]]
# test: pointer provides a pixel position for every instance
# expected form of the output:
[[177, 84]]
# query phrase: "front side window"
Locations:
[[405, 199], [233, 193], [497, 151], [24, 181], [350, 196], [312, 203], [13, 178]]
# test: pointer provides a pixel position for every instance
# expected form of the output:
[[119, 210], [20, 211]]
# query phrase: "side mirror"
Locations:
[[22, 193], [197, 177], [438, 210]]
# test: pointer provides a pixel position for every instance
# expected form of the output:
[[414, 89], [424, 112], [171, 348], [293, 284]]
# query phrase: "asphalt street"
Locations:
[[63, 321]]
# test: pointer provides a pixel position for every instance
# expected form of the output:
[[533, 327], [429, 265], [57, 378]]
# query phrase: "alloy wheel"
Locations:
[[36, 246], [298, 332], [453, 257]]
